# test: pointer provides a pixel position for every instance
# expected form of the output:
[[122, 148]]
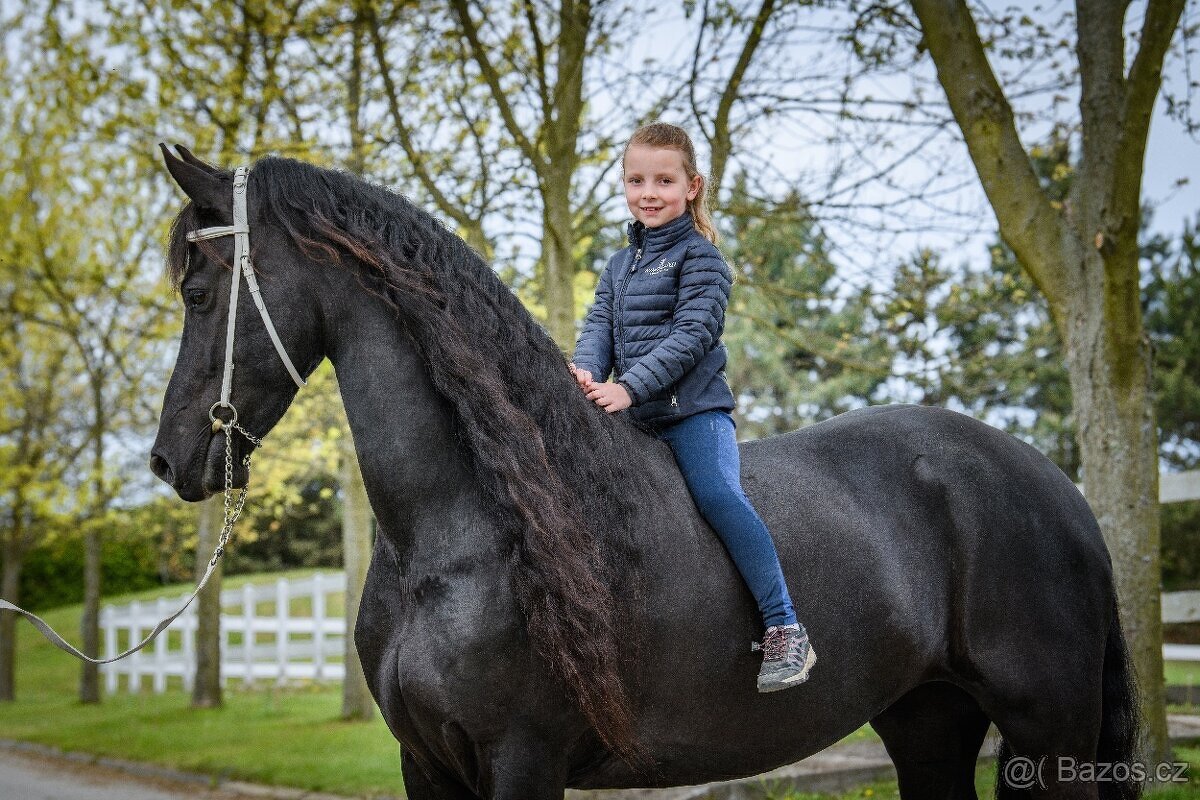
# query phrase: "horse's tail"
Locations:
[[1121, 715], [1120, 720]]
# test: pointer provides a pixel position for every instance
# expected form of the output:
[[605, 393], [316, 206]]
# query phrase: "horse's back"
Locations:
[[897, 464], [939, 533]]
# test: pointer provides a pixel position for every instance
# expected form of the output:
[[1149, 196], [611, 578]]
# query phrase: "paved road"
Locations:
[[26, 776], [41, 776]]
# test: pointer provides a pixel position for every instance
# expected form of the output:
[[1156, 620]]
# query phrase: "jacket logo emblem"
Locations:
[[662, 266]]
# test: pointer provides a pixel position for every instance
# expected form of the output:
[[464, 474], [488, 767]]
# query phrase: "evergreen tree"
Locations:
[[800, 344]]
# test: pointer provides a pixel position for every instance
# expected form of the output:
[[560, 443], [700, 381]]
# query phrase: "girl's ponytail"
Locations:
[[673, 137], [701, 216]]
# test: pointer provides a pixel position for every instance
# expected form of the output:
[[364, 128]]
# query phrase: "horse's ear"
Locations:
[[204, 188], [190, 158]]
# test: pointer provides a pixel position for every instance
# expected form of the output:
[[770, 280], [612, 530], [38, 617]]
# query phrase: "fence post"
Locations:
[[111, 675], [318, 626], [282, 611], [135, 636], [248, 635], [224, 650], [160, 649], [188, 630]]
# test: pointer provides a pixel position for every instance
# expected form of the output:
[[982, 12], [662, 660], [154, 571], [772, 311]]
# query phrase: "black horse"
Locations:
[[546, 608]]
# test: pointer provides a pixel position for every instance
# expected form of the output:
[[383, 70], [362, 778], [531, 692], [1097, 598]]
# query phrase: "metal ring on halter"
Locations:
[[219, 423]]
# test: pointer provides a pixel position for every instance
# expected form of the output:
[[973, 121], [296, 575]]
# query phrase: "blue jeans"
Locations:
[[706, 450]]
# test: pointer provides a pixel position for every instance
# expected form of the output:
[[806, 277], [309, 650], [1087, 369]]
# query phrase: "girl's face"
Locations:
[[656, 185]]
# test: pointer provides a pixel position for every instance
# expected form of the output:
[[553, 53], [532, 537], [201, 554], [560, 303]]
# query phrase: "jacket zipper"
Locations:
[[621, 304], [674, 401]]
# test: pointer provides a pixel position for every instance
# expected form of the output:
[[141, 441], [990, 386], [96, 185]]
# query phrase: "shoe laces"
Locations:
[[774, 644]]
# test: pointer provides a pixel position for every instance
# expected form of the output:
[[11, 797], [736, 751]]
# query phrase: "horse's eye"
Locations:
[[196, 297]]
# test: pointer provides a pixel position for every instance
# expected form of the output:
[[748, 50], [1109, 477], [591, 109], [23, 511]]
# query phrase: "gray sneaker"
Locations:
[[787, 658]]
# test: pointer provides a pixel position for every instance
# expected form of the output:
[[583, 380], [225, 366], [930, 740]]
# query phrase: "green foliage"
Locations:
[[1181, 546], [907, 322], [306, 532], [78, 297], [142, 547], [53, 571], [1171, 299], [1004, 360], [797, 349], [293, 514]]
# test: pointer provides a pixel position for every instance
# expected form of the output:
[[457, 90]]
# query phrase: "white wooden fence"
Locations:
[[1180, 606], [261, 637]]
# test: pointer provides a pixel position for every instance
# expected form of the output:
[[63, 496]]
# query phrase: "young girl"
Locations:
[[657, 321]]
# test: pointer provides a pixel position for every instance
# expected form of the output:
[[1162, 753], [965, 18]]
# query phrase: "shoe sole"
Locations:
[[794, 680]]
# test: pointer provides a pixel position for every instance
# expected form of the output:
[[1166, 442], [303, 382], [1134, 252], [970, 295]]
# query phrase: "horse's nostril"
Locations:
[[160, 467]]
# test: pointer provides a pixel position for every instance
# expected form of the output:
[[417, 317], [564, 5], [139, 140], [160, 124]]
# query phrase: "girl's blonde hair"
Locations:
[[672, 137]]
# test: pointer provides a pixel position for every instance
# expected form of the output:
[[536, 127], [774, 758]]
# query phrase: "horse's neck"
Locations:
[[415, 471], [403, 429]]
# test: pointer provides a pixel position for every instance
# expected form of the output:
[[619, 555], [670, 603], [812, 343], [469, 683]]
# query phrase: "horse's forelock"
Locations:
[[177, 244]]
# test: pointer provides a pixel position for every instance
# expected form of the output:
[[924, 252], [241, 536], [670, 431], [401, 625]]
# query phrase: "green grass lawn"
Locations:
[[1183, 673], [291, 737]]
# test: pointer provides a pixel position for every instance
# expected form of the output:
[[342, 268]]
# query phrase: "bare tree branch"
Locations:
[[471, 32], [1028, 223]]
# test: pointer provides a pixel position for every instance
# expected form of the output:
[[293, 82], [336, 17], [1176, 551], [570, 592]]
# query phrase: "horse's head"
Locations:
[[189, 452]]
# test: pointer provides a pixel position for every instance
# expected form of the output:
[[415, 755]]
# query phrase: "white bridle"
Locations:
[[240, 231]]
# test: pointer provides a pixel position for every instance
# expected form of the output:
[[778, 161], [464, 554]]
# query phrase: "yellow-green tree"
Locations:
[[41, 436], [82, 262]]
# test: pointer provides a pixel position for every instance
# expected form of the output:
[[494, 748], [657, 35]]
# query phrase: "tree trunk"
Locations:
[[1118, 442], [10, 589], [206, 689], [552, 152], [474, 236], [558, 275], [89, 674], [357, 702], [358, 159], [1083, 256], [1119, 447]]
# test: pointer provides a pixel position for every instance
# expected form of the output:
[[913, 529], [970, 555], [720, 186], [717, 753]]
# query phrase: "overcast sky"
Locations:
[[866, 254]]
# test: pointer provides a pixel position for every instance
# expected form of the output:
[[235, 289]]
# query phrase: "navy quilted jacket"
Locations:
[[657, 322]]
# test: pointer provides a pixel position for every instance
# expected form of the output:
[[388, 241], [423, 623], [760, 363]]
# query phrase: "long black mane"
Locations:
[[564, 476]]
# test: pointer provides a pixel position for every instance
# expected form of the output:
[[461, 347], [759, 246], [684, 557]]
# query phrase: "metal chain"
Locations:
[[233, 509]]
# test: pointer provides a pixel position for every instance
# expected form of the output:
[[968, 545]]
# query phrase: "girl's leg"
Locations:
[[706, 450]]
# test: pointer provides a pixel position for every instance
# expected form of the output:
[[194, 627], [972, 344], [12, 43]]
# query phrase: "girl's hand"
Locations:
[[612, 397], [582, 376]]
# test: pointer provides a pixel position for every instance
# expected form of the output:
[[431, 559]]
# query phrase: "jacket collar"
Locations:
[[662, 237]]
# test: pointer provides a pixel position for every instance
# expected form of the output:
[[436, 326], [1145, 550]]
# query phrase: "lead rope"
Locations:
[[233, 509], [240, 231]]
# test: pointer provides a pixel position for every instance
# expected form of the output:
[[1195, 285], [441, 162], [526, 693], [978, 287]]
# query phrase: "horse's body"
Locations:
[[948, 573]]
